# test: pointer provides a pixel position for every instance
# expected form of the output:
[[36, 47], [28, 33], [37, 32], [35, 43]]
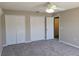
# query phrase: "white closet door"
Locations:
[[10, 23], [37, 28], [15, 29], [50, 27], [20, 29]]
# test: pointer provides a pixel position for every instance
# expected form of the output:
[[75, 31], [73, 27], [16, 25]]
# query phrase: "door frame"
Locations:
[[45, 27]]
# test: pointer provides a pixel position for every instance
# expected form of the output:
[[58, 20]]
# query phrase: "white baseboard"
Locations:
[[68, 44]]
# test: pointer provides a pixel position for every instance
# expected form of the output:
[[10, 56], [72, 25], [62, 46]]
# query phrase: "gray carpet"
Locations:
[[40, 48]]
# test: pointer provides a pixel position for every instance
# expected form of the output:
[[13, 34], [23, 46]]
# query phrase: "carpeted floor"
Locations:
[[40, 48]]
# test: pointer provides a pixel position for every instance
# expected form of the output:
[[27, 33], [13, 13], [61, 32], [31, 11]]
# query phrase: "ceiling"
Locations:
[[37, 6]]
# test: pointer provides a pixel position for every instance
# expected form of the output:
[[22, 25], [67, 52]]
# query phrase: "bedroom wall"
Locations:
[[1, 31], [69, 26]]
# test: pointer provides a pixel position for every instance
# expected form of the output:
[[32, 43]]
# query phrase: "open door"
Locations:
[[56, 27], [50, 28]]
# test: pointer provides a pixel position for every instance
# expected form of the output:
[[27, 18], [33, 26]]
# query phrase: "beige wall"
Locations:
[[0, 36], [27, 22], [69, 26], [1, 31]]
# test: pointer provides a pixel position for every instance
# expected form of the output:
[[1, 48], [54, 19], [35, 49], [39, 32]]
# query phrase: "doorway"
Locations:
[[56, 27]]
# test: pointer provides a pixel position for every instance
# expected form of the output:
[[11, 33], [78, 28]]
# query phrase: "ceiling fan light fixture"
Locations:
[[49, 10]]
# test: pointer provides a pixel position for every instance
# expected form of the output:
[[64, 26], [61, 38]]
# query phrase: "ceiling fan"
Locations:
[[48, 7]]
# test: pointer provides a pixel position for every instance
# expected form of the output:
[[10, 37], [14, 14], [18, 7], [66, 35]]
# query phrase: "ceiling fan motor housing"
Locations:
[[51, 6]]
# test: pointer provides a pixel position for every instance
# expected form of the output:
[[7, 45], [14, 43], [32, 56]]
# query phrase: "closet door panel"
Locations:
[[10, 23], [37, 28], [20, 29], [15, 29]]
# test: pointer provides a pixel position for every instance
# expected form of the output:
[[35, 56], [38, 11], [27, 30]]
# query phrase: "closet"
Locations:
[[37, 26], [15, 29]]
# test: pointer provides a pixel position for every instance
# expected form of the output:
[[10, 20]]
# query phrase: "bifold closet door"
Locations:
[[10, 22], [50, 27], [15, 29], [37, 28], [20, 23]]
